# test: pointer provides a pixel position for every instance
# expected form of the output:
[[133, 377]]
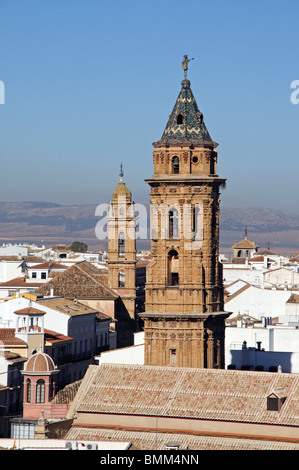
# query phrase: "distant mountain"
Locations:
[[257, 219], [32, 221]]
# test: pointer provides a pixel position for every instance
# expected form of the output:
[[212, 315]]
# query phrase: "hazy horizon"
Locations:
[[89, 85]]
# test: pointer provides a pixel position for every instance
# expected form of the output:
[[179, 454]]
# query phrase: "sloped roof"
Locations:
[[8, 338], [29, 311], [66, 306], [20, 282], [259, 259], [81, 280], [52, 337], [67, 394], [158, 440], [227, 395], [48, 265], [294, 299], [193, 129], [245, 244]]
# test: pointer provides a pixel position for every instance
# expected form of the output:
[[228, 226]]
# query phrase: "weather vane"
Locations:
[[185, 65], [121, 174]]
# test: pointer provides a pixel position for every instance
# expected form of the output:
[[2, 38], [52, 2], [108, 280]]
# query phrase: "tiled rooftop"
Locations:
[[82, 280], [228, 395], [67, 306], [67, 394], [8, 338], [158, 441]]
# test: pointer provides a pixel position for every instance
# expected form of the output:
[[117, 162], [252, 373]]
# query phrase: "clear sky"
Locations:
[[91, 83]]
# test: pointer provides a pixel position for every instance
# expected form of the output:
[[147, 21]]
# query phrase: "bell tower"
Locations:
[[184, 319], [121, 259]]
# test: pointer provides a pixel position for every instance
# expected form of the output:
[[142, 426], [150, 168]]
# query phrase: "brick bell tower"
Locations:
[[184, 319], [121, 259]]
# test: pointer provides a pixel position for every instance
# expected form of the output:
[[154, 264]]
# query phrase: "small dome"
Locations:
[[40, 362], [121, 190]]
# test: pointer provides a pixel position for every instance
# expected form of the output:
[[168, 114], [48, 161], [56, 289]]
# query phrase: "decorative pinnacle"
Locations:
[[121, 174], [185, 65]]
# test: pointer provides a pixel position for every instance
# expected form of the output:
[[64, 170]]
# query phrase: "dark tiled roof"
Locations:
[[82, 280], [193, 130], [67, 395], [54, 337]]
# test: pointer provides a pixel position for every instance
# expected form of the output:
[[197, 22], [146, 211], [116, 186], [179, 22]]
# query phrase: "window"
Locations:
[[121, 279], [28, 383], [34, 275], [40, 391], [173, 268], [172, 357], [275, 402], [175, 165], [180, 119], [44, 276], [121, 244], [173, 223]]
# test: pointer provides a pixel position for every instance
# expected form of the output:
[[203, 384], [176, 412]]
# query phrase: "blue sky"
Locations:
[[91, 83]]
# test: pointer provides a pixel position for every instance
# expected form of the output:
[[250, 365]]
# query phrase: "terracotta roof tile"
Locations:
[[158, 441], [67, 394], [20, 282], [245, 244], [82, 280], [7, 337], [66, 306], [190, 393]]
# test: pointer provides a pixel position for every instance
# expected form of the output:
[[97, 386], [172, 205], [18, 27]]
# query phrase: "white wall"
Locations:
[[281, 345], [233, 273], [129, 355], [282, 277], [258, 302]]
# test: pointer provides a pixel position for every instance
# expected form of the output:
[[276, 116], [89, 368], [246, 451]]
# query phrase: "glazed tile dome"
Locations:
[[186, 125], [40, 362]]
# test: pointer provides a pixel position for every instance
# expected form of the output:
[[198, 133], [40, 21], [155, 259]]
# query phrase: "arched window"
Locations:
[[40, 391], [173, 225], [121, 244], [121, 279], [175, 165], [28, 384], [173, 268]]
